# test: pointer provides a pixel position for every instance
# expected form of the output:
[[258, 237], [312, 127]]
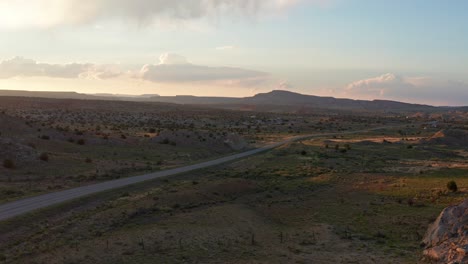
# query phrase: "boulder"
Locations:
[[446, 240]]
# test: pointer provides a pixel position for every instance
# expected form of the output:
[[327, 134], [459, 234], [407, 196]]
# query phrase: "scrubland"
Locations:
[[350, 198]]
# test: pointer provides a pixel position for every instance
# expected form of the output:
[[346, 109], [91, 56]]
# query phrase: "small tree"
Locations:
[[44, 156], [9, 164], [80, 141], [452, 186]]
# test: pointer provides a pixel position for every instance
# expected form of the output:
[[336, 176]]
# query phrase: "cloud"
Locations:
[[410, 89], [284, 86], [172, 59], [21, 67], [171, 68], [176, 68], [230, 47], [51, 13], [377, 86]]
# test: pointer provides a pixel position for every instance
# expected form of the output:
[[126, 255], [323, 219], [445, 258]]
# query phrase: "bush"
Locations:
[[9, 164], [44, 156], [88, 160], [45, 137], [303, 153], [80, 141], [452, 186]]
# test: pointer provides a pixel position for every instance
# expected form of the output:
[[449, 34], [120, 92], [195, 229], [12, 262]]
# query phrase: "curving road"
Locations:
[[12, 209]]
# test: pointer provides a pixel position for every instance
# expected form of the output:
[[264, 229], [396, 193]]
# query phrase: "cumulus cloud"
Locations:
[[50, 13], [176, 68], [21, 67], [410, 89], [172, 59], [378, 86], [171, 68]]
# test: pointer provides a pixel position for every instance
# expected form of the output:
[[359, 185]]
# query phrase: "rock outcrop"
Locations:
[[10, 149], [450, 137], [446, 240]]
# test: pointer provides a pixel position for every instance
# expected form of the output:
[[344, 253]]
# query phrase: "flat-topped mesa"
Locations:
[[446, 240]]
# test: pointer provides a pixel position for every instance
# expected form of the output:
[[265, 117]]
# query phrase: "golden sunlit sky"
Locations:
[[412, 51]]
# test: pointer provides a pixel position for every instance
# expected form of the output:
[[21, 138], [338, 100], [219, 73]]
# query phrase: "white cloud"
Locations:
[[21, 67], [229, 47], [377, 86], [409, 89], [51, 13], [176, 68], [171, 68], [172, 59], [284, 86]]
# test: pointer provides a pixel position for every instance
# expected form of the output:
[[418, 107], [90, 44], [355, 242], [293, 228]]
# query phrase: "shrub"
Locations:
[[303, 153], [44, 156], [80, 141], [88, 160], [45, 137], [152, 130], [9, 164], [452, 186]]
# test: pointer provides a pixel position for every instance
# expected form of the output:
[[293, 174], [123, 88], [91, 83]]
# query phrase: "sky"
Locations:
[[412, 51]]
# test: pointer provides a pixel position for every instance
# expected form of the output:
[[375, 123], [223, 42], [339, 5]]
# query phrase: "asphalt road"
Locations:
[[12, 209]]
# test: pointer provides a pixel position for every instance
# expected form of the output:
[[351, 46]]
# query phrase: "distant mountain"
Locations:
[[75, 95], [295, 101], [57, 95], [124, 95], [277, 100]]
